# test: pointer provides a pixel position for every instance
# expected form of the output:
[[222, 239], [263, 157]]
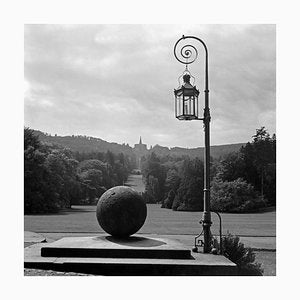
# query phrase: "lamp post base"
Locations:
[[207, 236]]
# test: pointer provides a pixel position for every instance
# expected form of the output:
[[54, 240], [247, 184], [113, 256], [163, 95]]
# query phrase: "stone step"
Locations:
[[110, 247]]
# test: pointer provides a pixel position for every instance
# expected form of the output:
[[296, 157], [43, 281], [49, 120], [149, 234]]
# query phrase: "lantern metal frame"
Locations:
[[188, 54], [186, 99]]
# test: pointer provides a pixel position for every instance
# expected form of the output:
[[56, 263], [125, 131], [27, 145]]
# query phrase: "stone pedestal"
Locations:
[[136, 255]]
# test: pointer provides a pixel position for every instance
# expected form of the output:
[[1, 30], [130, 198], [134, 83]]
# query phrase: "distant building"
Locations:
[[140, 150]]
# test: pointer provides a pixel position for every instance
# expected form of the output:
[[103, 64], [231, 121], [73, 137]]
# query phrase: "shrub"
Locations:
[[243, 257], [176, 202], [147, 197], [189, 196], [234, 196], [168, 202]]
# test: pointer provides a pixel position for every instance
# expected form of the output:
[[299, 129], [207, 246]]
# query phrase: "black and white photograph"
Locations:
[[150, 150]]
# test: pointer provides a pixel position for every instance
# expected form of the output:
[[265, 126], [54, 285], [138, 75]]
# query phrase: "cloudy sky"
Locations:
[[116, 82]]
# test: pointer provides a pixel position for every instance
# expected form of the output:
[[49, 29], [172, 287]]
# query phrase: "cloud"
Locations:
[[116, 81]]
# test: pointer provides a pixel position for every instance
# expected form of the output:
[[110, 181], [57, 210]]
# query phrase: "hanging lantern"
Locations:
[[186, 100]]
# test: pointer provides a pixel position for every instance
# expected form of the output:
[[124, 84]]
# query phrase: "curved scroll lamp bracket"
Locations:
[[198, 243]]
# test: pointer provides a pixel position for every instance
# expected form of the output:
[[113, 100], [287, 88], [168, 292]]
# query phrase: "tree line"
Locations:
[[242, 181], [56, 177]]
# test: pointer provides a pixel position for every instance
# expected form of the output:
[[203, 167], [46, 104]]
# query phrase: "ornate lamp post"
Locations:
[[186, 108]]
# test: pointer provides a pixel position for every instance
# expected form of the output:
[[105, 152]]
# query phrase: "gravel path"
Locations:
[[37, 272]]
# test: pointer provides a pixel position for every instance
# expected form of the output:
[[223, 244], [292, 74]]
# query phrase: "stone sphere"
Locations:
[[121, 211]]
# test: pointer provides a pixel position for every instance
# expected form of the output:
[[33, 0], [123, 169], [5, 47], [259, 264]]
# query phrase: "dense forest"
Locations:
[[241, 181], [56, 177]]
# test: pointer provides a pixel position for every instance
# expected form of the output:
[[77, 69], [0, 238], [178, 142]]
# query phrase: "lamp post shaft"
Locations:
[[206, 218]]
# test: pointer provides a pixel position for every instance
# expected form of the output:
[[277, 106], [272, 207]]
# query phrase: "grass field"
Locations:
[[159, 221]]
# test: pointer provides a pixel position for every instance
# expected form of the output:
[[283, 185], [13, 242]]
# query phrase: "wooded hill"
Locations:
[[215, 151], [86, 144], [82, 143]]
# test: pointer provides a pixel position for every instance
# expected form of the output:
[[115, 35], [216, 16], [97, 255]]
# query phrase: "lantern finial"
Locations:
[[186, 78]]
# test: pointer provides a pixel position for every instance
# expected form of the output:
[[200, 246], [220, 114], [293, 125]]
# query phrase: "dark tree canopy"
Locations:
[[242, 181], [54, 179]]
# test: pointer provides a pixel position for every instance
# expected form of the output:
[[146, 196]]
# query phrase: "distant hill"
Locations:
[[215, 151], [82, 143], [89, 144]]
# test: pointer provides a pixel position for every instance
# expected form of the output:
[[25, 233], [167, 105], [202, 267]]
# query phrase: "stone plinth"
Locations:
[[105, 255]]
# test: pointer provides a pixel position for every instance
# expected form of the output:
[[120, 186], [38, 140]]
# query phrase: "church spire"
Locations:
[[140, 140]]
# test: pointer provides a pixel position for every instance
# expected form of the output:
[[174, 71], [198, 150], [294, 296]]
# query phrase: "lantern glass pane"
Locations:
[[179, 106], [189, 106]]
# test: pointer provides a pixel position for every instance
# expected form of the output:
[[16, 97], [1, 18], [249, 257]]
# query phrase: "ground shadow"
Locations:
[[134, 241]]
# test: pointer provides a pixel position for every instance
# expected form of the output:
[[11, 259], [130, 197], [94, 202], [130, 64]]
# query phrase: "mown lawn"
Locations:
[[159, 221]]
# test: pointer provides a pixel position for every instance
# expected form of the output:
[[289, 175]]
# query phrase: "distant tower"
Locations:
[[140, 150]]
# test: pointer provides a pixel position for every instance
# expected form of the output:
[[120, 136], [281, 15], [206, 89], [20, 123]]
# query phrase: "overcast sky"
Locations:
[[116, 82]]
